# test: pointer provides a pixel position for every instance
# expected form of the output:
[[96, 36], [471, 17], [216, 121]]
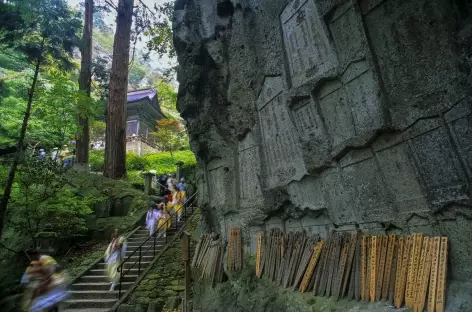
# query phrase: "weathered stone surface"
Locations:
[[323, 115]]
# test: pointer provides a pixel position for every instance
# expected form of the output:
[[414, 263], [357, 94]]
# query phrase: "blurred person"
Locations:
[[45, 284], [114, 254]]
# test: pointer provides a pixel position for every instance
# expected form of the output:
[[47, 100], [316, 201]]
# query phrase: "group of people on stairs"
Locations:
[[46, 284], [174, 199]]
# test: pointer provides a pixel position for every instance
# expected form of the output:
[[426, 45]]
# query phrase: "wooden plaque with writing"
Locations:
[[423, 275], [373, 267], [311, 266], [433, 282], [258, 254], [363, 266], [442, 271], [388, 266], [381, 269], [398, 279]]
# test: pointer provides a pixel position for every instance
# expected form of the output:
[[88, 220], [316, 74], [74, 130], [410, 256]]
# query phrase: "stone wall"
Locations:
[[322, 115]]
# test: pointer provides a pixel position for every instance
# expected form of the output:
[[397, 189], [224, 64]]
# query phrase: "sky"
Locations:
[[156, 62]]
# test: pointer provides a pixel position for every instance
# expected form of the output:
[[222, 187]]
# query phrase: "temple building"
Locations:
[[143, 111]]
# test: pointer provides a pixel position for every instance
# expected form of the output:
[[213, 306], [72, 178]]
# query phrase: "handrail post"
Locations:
[[154, 247], [121, 277], [176, 218], [139, 261]]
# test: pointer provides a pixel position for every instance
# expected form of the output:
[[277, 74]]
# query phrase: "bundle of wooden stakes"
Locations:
[[235, 252], [361, 267], [208, 257]]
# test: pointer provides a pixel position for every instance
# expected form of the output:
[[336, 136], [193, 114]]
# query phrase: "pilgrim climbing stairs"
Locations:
[[90, 292]]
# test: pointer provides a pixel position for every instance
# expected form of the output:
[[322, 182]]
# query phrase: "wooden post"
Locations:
[[185, 244]]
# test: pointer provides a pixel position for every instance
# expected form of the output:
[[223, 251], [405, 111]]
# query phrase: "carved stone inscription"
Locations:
[[282, 151], [249, 171], [309, 52], [216, 181], [307, 119]]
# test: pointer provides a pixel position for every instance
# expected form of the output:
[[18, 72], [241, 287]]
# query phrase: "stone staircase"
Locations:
[[90, 292]]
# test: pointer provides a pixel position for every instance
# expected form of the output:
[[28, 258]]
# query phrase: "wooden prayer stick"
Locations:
[[442, 272], [388, 266], [398, 276], [433, 282], [381, 269], [373, 267], [311, 266], [417, 239], [357, 282], [423, 275], [349, 267]]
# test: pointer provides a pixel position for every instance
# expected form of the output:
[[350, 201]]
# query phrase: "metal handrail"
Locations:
[[153, 246]]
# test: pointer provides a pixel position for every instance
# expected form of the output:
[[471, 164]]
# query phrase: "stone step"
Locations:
[[132, 271], [127, 265], [103, 278], [136, 242], [89, 303], [81, 310], [144, 250], [145, 246], [103, 286], [93, 294], [145, 258]]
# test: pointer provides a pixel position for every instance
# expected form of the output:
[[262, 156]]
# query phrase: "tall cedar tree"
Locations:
[[115, 137], [48, 32], [85, 82]]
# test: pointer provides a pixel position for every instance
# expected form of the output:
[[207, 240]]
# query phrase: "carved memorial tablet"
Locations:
[[280, 142], [309, 52], [249, 171]]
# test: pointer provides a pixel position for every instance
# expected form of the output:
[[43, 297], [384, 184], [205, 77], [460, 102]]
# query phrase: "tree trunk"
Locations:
[[115, 139], [85, 82], [11, 175]]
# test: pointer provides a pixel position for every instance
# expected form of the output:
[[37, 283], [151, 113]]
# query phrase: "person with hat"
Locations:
[[114, 254], [45, 283]]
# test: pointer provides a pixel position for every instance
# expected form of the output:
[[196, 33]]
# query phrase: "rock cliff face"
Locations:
[[324, 115]]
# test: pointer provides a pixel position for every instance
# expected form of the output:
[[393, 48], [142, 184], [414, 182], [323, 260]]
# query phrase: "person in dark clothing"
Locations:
[[162, 184]]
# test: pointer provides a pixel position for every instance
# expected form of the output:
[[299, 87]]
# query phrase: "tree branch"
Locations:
[[11, 250], [112, 5]]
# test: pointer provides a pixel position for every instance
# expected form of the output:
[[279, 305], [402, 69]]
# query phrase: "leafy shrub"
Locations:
[[135, 162], [163, 162], [97, 161], [42, 195], [135, 178]]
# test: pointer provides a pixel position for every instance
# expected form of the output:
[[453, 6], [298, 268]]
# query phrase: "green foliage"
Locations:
[[163, 162], [171, 136], [136, 73], [54, 111], [12, 60], [135, 178], [160, 30], [97, 161], [42, 195], [135, 162], [97, 130], [105, 39], [167, 98], [46, 28]]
